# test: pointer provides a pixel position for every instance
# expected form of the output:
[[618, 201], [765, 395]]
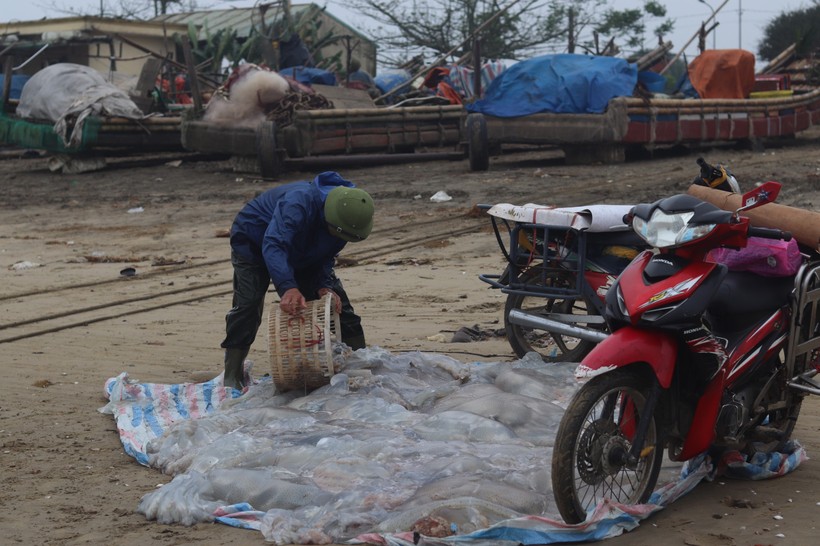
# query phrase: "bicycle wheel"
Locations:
[[595, 434], [552, 347]]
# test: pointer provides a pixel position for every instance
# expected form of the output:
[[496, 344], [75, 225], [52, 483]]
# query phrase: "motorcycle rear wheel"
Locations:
[[593, 437], [773, 429], [551, 346]]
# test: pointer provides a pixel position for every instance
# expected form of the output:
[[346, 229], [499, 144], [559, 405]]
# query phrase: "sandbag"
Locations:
[[804, 225]]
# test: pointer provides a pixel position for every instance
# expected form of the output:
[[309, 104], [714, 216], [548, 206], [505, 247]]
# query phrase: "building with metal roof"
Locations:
[[122, 46], [262, 19], [104, 44]]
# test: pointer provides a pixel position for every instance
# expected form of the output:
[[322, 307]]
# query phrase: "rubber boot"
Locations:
[[235, 367], [355, 342]]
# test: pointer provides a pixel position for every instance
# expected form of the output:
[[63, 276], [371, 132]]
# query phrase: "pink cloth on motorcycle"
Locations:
[[767, 257]]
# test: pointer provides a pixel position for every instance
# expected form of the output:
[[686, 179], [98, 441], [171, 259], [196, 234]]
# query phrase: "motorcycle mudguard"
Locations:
[[628, 345], [702, 430]]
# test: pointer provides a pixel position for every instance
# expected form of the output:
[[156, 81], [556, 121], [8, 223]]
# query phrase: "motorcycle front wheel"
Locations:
[[589, 457], [552, 347]]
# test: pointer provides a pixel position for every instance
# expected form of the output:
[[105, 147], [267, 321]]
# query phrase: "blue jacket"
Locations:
[[284, 228]]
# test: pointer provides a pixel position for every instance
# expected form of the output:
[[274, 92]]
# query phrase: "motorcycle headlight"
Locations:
[[664, 230]]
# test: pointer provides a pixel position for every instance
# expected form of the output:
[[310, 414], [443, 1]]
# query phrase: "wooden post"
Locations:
[[477, 68], [611, 49], [112, 55], [145, 83], [695, 35], [8, 69], [192, 76]]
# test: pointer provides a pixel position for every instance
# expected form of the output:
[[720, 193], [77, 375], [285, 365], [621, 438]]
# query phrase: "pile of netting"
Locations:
[[398, 445]]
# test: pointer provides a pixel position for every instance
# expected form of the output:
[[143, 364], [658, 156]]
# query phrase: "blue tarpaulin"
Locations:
[[566, 83], [17, 83], [387, 80], [309, 76]]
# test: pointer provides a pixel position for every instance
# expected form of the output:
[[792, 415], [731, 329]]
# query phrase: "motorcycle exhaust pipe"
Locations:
[[542, 323]]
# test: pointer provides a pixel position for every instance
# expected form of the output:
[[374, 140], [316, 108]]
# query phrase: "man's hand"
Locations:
[[292, 302], [337, 301]]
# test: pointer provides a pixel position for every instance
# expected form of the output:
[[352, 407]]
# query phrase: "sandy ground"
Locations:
[[70, 319]]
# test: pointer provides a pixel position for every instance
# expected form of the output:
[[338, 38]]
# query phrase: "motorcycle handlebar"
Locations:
[[768, 233]]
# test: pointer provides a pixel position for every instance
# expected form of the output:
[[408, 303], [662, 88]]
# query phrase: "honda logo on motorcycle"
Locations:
[[677, 290]]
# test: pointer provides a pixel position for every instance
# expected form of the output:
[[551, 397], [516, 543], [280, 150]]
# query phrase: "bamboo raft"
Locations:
[[648, 123], [99, 133], [628, 122], [317, 133], [670, 121]]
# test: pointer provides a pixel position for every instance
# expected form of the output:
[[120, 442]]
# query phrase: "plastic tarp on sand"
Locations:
[[573, 84], [723, 74], [409, 448]]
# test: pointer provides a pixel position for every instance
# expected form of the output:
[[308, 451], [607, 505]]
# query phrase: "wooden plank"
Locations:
[[344, 98], [781, 59], [192, 75], [200, 136], [416, 112], [383, 142], [148, 76], [145, 83]]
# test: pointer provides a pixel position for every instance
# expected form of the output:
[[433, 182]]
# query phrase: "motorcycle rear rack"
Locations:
[[803, 350], [805, 382], [548, 249]]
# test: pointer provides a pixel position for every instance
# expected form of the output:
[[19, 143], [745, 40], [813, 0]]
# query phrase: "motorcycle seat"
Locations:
[[744, 293]]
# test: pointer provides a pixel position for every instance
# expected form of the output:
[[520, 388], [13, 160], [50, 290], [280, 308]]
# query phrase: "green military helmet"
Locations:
[[349, 213]]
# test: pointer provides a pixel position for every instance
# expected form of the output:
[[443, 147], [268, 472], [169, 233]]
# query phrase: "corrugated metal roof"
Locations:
[[240, 19], [84, 24]]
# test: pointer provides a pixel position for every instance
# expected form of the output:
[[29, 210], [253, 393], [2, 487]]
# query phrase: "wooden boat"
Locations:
[[631, 122]]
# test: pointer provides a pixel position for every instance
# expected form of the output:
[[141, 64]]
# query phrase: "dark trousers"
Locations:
[[251, 282]]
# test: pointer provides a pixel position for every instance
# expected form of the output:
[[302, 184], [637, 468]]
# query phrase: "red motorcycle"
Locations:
[[699, 358], [558, 273]]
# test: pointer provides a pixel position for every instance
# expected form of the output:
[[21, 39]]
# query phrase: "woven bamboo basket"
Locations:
[[301, 346]]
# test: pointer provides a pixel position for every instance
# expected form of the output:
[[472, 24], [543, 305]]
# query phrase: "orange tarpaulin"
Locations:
[[723, 73]]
